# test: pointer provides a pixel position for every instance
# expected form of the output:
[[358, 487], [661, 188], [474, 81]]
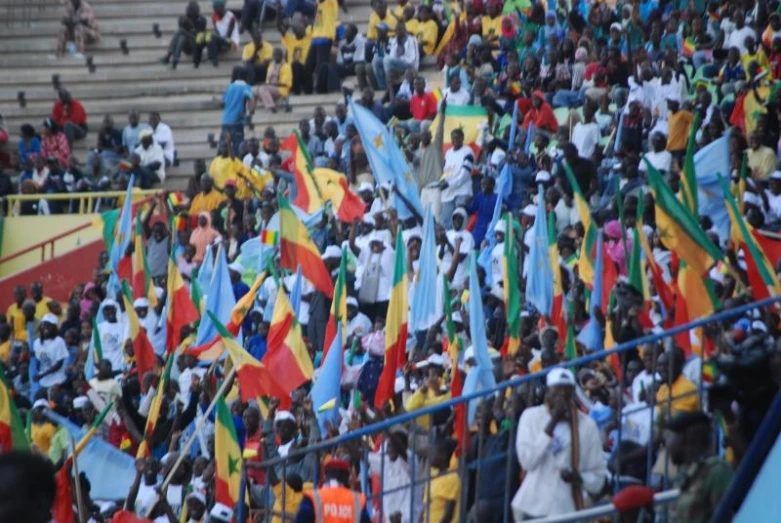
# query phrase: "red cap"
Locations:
[[337, 464], [633, 497]]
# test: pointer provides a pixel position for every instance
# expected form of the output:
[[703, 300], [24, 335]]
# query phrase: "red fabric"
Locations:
[[57, 146], [542, 118], [609, 279], [62, 510], [145, 356], [738, 116], [524, 106], [770, 246], [254, 443], [74, 113], [423, 107], [126, 516], [633, 497]]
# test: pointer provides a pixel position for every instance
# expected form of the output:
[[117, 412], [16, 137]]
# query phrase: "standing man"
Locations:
[[15, 316], [41, 300], [557, 471], [238, 103], [112, 335], [51, 352], [456, 184]]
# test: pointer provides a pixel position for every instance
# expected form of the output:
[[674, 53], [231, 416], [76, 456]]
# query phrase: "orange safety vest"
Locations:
[[337, 505]]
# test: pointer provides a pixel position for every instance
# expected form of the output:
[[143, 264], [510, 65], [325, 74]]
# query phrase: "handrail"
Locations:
[[85, 198], [43, 243], [431, 409], [660, 498]]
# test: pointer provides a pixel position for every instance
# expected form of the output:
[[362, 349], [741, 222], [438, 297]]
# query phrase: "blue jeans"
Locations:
[[302, 6], [236, 132], [567, 98], [379, 71]]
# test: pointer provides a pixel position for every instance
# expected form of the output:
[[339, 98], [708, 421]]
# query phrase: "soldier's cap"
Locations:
[[633, 497], [337, 464], [684, 420]]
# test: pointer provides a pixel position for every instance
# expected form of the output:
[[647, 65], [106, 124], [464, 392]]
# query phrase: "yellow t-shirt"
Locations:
[[42, 434], [374, 19], [285, 80], [443, 490], [292, 501], [684, 399], [492, 28], [14, 314], [297, 48], [412, 26], [42, 307], [206, 202], [326, 19], [5, 351], [759, 57], [262, 55], [427, 32], [221, 170], [418, 401], [678, 126]]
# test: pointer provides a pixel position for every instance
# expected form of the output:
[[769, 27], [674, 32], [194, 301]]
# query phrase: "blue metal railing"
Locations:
[[408, 417]]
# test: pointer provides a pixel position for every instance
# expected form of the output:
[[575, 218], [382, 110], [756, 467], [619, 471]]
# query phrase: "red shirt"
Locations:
[[423, 107], [542, 118], [74, 113]]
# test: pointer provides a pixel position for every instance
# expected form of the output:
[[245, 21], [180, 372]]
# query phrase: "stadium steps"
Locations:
[[187, 98]]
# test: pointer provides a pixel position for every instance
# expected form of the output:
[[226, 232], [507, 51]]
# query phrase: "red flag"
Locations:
[[62, 510]]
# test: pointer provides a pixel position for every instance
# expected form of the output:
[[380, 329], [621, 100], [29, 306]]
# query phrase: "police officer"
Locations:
[[333, 502]]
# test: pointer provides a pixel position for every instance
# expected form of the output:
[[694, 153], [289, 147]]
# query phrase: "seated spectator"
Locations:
[[29, 143], [278, 81], [379, 15], [351, 56], [427, 31], [203, 235], [131, 132], [492, 24], [79, 28], [151, 160], [224, 37], [256, 55], [380, 49], [183, 40], [422, 104], [209, 199], [69, 114], [323, 36], [163, 137], [402, 56], [109, 144], [455, 94], [297, 38], [761, 159], [54, 143]]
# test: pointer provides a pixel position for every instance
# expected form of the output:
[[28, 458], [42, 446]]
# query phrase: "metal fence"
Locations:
[[476, 464]]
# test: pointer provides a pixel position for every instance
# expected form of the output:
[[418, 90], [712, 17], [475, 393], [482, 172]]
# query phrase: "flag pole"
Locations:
[[183, 452], [77, 481]]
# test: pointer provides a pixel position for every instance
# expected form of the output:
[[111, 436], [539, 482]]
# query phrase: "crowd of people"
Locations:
[[619, 178]]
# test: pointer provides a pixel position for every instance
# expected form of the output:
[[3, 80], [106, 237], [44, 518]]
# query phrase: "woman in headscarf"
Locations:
[[54, 143], [615, 245], [78, 27], [551, 29], [202, 236]]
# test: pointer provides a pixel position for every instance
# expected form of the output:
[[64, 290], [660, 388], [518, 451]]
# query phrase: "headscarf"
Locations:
[[203, 236], [554, 30]]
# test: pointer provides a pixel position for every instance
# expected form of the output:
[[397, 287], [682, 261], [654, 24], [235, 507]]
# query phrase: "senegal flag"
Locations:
[[468, 118], [154, 409], [678, 228], [586, 260], [143, 352], [557, 310], [227, 455], [453, 345], [297, 248], [512, 294], [338, 307], [689, 193], [761, 275], [142, 284], [181, 310], [12, 435], [347, 205], [287, 358], [307, 193]]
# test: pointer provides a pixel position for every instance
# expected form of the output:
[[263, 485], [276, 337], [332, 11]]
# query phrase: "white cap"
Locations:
[[50, 318], [368, 219], [469, 353], [197, 494], [560, 377], [141, 303], [776, 175], [456, 316], [80, 402], [497, 292], [236, 267], [41, 404], [530, 210], [223, 512], [283, 415], [500, 226], [616, 25], [145, 133], [365, 186], [382, 236], [755, 326], [108, 302], [352, 300], [542, 177], [497, 156], [332, 252]]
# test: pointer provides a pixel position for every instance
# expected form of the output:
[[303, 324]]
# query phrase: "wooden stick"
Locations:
[[198, 427], [79, 501]]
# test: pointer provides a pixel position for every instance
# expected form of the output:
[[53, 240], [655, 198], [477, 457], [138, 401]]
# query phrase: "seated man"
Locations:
[[79, 28], [70, 116], [150, 164], [297, 38], [402, 56], [183, 40], [278, 81], [351, 55], [224, 37], [163, 137], [427, 32], [257, 55]]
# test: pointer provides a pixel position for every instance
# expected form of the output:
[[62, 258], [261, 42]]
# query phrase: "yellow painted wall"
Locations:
[[22, 231]]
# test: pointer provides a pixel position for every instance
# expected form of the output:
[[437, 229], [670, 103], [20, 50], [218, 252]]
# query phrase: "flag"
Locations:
[[425, 309], [287, 358], [678, 228], [663, 290], [761, 275], [591, 335], [452, 344], [514, 129], [338, 314], [206, 270], [181, 310], [12, 433], [106, 222], [347, 205], [709, 161], [468, 118], [295, 293], [154, 409], [586, 258], [297, 248], [213, 349], [450, 30], [395, 327], [95, 353], [142, 283], [142, 349], [539, 287], [388, 163], [196, 294], [481, 376], [689, 195], [557, 306], [307, 193], [220, 299], [269, 237], [255, 380], [327, 390], [687, 50], [503, 188], [227, 457], [512, 290], [570, 349], [124, 229]]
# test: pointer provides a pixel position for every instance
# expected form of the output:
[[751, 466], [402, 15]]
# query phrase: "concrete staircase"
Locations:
[[187, 98]]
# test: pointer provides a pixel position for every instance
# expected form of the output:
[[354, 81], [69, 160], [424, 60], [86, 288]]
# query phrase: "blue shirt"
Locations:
[[33, 148], [234, 99], [482, 204], [257, 346]]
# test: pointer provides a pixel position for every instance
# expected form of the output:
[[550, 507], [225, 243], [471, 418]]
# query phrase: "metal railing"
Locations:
[[78, 202], [472, 463]]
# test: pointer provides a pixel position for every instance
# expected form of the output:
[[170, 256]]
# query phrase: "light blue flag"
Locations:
[[709, 162], [157, 338], [386, 159], [109, 470], [619, 131], [513, 128], [529, 139], [206, 270], [539, 287], [503, 187], [327, 389], [591, 335], [219, 300], [423, 310], [295, 293], [89, 365], [481, 376], [32, 367], [124, 230]]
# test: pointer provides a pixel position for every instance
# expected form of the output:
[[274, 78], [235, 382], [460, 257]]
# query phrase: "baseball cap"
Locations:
[[560, 378]]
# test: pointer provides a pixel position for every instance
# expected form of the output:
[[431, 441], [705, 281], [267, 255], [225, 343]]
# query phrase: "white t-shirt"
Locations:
[[153, 153], [367, 260], [497, 263], [737, 38], [165, 139], [223, 24], [108, 390], [662, 161], [467, 244], [586, 136], [460, 97], [49, 352], [457, 172], [112, 340], [774, 206]]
